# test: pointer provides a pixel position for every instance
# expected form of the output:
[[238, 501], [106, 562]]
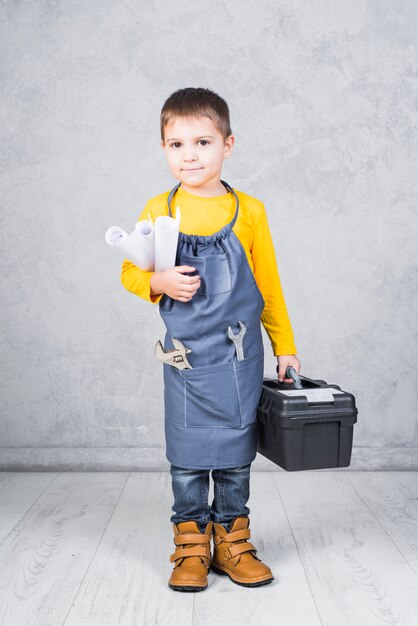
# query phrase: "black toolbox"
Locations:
[[310, 427]]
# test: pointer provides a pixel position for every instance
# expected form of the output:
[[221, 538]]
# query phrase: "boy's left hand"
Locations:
[[284, 360]]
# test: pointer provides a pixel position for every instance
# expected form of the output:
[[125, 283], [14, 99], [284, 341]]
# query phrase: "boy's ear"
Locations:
[[229, 143]]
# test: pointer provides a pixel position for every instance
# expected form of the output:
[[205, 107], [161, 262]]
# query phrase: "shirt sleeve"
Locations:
[[274, 317], [134, 279]]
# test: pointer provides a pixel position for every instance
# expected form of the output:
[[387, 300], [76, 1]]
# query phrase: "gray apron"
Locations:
[[211, 409]]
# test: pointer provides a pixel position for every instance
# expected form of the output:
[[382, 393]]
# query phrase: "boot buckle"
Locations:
[[227, 553]]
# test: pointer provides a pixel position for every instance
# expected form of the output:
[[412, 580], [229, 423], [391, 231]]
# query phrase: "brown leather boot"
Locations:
[[235, 556], [192, 557]]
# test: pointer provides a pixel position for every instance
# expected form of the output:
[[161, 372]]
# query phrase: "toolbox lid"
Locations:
[[322, 394], [316, 400]]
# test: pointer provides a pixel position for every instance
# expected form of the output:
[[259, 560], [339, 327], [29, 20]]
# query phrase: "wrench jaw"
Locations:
[[240, 333], [177, 357], [238, 339]]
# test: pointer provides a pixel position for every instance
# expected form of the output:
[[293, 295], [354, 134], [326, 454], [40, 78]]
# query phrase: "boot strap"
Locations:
[[236, 535], [239, 548], [191, 538], [194, 551]]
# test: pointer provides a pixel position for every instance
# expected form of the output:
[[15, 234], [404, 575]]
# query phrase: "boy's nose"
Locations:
[[189, 154]]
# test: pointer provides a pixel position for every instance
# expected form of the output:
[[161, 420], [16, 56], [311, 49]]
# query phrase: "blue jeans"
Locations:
[[231, 488]]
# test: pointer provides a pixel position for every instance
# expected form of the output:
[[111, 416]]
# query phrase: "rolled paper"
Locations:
[[148, 246], [138, 247], [115, 235], [166, 239], [146, 236]]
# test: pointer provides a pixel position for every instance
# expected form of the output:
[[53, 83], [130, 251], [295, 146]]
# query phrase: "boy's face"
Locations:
[[195, 150]]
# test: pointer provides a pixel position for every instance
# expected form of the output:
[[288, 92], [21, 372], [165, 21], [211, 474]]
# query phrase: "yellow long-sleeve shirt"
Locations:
[[205, 216]]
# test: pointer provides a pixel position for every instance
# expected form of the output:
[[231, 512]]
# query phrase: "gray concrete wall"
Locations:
[[323, 99]]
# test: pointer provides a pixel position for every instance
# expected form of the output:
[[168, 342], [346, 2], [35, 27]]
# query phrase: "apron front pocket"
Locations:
[[174, 395], [214, 272], [249, 375], [211, 396]]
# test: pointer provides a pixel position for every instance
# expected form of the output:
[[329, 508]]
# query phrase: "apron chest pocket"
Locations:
[[214, 272], [224, 395]]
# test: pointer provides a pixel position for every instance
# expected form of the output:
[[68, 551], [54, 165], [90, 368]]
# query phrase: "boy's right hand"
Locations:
[[175, 284]]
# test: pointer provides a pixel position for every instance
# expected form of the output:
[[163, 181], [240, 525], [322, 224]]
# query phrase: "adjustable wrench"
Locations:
[[237, 339], [177, 357]]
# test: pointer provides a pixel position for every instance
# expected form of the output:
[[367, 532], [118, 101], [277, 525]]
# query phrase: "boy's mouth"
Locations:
[[192, 169]]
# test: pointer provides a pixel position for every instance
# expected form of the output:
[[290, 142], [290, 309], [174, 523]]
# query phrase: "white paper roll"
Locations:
[[150, 247], [146, 236], [138, 247], [166, 238]]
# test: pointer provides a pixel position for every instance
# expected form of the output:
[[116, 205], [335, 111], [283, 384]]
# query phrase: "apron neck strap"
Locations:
[[225, 184]]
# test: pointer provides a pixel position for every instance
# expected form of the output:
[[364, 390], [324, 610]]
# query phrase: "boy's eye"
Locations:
[[175, 144]]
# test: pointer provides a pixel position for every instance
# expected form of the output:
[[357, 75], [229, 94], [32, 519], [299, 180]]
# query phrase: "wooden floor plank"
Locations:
[[127, 581], [322, 498], [356, 573], [393, 499], [18, 491], [44, 558]]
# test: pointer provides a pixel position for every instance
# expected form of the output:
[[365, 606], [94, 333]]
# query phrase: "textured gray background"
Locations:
[[323, 99]]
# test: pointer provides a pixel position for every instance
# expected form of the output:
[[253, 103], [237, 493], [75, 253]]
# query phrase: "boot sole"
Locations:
[[187, 587], [254, 584]]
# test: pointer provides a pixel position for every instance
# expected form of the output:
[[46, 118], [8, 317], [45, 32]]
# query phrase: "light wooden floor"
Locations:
[[93, 548]]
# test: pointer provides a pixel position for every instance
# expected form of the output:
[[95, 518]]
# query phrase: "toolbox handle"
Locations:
[[292, 373]]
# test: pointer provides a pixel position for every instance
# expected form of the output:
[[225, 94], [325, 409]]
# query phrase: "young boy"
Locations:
[[225, 281]]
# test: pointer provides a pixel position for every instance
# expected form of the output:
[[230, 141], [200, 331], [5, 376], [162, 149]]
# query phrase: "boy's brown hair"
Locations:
[[196, 102]]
